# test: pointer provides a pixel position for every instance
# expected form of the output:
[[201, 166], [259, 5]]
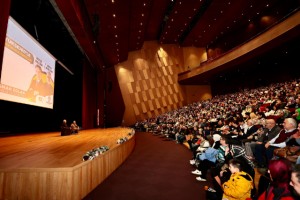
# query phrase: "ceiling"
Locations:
[[105, 31]]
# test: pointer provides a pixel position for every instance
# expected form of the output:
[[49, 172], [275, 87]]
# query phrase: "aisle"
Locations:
[[157, 169]]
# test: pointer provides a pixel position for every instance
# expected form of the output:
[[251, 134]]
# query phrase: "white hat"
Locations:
[[216, 137]]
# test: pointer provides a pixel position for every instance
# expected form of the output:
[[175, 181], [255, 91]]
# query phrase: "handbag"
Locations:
[[289, 152]]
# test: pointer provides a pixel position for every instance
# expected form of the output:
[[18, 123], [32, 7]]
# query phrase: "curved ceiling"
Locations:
[[117, 27], [107, 30]]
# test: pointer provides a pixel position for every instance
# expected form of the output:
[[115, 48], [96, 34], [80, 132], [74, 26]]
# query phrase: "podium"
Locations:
[[65, 131]]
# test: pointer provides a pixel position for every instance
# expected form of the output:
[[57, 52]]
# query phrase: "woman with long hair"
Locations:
[[280, 176]]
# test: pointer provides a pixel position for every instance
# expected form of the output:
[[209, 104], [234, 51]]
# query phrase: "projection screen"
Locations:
[[28, 69]]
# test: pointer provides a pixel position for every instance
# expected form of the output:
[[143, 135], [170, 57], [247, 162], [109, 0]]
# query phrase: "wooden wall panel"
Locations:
[[193, 57], [154, 83]]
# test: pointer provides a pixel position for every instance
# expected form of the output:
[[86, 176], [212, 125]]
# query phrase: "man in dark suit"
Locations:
[[270, 132], [65, 129], [279, 141], [251, 129]]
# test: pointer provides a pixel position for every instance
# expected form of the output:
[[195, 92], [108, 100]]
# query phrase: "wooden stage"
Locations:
[[50, 166]]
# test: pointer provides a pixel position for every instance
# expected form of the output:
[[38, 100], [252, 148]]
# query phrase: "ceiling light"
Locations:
[[141, 23], [144, 4], [116, 35], [142, 14], [113, 1], [115, 26], [114, 15]]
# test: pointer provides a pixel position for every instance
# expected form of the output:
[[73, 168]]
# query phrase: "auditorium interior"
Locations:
[[119, 62]]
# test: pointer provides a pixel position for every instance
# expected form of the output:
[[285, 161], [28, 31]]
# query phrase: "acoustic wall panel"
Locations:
[[151, 88]]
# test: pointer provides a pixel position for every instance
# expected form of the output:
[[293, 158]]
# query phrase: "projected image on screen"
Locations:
[[28, 69]]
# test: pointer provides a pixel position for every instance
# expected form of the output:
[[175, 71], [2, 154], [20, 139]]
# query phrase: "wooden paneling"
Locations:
[[193, 56], [196, 92], [148, 81], [61, 182]]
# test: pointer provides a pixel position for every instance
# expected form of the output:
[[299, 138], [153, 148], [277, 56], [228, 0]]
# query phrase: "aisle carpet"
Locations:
[[157, 169]]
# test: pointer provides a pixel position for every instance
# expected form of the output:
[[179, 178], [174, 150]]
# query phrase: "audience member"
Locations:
[[295, 181], [290, 127], [239, 185], [271, 131], [280, 175], [198, 147]]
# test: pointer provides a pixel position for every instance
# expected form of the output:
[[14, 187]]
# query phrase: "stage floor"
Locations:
[[50, 150]]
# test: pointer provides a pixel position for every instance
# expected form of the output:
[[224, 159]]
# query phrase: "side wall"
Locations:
[[148, 80]]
